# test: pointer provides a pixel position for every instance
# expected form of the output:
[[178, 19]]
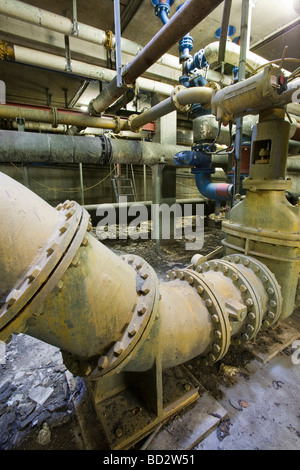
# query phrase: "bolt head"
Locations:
[[118, 348], [34, 273], [217, 334], [132, 329], [103, 362], [142, 309], [52, 248], [12, 297], [200, 290]]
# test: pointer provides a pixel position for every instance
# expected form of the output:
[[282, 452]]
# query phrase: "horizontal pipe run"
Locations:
[[118, 205], [60, 24], [56, 117], [25, 55], [27, 147], [180, 98], [201, 95]]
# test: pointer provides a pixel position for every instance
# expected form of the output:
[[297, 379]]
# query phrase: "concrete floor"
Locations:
[[271, 418], [267, 418]]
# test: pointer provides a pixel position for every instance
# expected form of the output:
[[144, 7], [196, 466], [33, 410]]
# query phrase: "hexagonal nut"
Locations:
[[103, 362], [132, 328], [12, 297], [52, 248], [64, 228], [119, 348], [70, 213], [34, 273], [60, 285], [142, 309], [85, 241]]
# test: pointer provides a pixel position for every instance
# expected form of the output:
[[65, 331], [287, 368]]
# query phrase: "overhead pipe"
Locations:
[[25, 55], [192, 13], [180, 100], [31, 147], [60, 24], [55, 117]]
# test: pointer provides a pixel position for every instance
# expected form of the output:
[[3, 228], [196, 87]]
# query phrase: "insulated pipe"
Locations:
[[180, 24], [179, 100], [232, 55], [48, 61], [48, 148], [45, 19], [56, 117]]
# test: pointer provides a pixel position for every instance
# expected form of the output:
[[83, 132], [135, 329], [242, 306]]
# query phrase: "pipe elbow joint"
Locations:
[[210, 190]]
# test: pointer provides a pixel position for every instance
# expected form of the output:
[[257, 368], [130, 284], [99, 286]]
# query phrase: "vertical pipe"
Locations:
[[244, 48]]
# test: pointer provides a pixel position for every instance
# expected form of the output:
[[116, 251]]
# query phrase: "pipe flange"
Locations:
[[147, 289], [179, 107], [130, 126], [108, 40], [55, 118], [16, 309], [273, 290], [221, 331], [105, 156], [252, 322]]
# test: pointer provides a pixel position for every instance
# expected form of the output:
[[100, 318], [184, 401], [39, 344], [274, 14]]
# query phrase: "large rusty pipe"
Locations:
[[185, 19], [68, 289], [56, 117]]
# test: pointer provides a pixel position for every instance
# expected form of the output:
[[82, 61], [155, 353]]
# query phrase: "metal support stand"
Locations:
[[118, 42], [164, 176], [245, 40], [81, 184], [130, 405]]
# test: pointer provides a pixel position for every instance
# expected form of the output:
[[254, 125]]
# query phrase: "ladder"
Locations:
[[123, 186]]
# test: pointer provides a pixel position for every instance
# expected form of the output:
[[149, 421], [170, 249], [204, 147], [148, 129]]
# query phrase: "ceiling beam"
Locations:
[[129, 12]]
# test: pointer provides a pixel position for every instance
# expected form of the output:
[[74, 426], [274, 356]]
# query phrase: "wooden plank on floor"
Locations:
[[269, 343], [191, 426]]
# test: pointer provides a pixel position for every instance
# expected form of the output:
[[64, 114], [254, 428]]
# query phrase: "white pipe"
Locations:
[[232, 56], [60, 24], [53, 62]]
